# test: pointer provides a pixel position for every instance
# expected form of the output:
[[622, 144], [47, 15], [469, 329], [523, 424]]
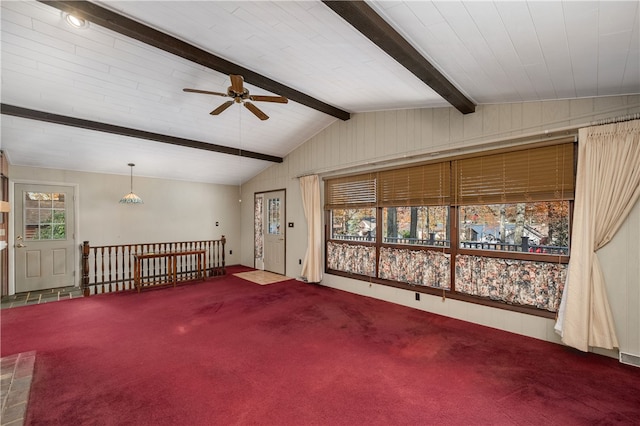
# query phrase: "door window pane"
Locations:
[[274, 216], [44, 216]]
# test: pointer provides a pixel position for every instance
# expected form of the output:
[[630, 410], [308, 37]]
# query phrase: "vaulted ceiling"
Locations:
[[111, 93]]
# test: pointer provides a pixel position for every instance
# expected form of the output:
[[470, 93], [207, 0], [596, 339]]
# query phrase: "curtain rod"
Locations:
[[620, 119], [532, 137], [546, 136]]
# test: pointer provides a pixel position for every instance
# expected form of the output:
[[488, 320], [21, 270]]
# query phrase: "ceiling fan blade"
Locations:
[[221, 108], [254, 109], [236, 83], [205, 92], [278, 99]]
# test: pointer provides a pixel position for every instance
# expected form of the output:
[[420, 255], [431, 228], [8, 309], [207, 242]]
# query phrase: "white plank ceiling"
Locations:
[[493, 52]]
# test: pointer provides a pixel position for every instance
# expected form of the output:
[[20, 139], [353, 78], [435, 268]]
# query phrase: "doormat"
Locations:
[[262, 277]]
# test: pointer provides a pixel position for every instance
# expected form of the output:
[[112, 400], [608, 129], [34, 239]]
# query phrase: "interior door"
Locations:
[[44, 243], [274, 232]]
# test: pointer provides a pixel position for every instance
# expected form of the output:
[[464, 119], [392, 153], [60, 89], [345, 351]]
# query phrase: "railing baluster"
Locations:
[[131, 250], [102, 267], [116, 255], [85, 268], [109, 254], [95, 266], [110, 268]]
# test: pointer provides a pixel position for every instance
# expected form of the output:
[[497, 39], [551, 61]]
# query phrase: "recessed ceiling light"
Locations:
[[74, 21]]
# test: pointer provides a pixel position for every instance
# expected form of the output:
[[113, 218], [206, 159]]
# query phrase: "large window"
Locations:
[[541, 227], [353, 224], [419, 225], [351, 203], [493, 227]]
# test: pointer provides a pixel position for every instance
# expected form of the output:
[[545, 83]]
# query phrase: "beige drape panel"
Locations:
[[312, 266], [607, 188]]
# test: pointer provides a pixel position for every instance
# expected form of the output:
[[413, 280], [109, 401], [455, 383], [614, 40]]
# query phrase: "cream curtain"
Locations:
[[607, 188], [312, 266]]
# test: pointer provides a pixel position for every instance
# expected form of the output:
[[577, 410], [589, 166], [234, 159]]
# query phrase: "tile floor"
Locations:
[[16, 377], [41, 296], [17, 370]]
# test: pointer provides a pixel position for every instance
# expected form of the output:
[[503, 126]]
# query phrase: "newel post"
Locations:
[[85, 268]]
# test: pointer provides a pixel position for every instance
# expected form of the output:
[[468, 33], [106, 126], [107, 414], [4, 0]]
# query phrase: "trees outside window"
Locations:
[[494, 226], [540, 227], [423, 225], [353, 224]]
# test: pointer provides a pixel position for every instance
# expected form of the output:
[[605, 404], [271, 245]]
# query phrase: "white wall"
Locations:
[[172, 210], [374, 140]]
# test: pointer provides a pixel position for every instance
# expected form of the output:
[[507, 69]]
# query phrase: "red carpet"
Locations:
[[228, 351]]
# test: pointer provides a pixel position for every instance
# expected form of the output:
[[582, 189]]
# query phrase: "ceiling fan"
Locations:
[[239, 94]]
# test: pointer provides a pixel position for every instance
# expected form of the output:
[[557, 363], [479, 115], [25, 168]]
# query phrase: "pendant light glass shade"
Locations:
[[131, 198]]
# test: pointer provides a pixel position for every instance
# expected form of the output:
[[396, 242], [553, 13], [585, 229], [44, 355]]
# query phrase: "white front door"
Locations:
[[274, 231], [44, 243]]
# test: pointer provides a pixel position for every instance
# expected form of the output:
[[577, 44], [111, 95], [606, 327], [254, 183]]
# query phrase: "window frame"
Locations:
[[453, 250]]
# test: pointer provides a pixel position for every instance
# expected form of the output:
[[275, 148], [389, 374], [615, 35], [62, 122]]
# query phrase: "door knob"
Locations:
[[20, 245], [19, 237]]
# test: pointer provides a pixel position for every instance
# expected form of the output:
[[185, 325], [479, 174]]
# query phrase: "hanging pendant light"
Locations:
[[131, 198]]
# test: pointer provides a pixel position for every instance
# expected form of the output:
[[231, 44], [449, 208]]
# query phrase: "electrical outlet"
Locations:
[[230, 251], [299, 261], [417, 296]]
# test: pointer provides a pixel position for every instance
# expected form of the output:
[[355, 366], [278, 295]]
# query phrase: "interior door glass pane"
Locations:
[[44, 216]]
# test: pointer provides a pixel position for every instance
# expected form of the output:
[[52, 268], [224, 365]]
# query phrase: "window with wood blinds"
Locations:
[[426, 185], [351, 192], [535, 174], [448, 226]]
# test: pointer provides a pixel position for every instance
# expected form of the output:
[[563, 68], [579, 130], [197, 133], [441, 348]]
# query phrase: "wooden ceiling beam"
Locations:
[[363, 18], [121, 24], [134, 133]]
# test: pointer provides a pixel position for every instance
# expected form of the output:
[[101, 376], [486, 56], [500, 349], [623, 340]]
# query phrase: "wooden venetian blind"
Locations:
[[351, 192], [536, 174], [425, 185]]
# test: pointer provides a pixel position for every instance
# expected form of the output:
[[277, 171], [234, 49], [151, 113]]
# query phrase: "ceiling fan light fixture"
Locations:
[[131, 198], [74, 21], [240, 94]]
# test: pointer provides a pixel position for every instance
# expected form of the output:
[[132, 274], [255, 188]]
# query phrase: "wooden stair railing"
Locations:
[[107, 269]]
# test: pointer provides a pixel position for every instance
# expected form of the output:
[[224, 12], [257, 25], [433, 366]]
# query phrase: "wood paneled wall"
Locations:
[[379, 139]]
